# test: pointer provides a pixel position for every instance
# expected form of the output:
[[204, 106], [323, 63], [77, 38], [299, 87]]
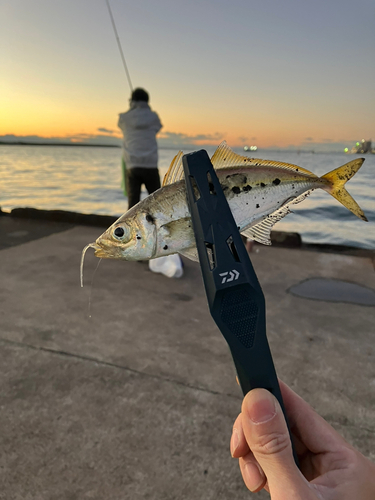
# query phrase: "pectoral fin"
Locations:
[[191, 253]]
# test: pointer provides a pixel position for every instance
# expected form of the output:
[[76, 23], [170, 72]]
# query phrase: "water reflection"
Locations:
[[88, 180]]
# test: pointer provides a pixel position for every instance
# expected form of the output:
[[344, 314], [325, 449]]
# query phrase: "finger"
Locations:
[[252, 473], [311, 429], [267, 435], [238, 444]]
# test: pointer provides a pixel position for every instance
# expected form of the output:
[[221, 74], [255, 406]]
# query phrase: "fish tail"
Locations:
[[335, 181]]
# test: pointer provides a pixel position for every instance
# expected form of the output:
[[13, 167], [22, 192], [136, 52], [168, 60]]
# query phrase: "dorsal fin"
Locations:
[[224, 157], [261, 232], [175, 171]]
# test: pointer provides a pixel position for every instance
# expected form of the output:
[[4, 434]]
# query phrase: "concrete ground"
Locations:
[[125, 389]]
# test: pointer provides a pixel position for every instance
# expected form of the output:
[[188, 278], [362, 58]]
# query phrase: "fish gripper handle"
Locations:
[[234, 295]]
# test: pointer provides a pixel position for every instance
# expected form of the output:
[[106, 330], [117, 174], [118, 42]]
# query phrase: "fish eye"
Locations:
[[119, 233]]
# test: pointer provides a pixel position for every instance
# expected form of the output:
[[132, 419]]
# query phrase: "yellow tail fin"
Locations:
[[335, 186]]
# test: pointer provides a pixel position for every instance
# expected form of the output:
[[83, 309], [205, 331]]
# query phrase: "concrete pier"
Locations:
[[125, 389]]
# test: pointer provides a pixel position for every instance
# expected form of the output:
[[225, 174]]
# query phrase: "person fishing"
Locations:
[[139, 126]]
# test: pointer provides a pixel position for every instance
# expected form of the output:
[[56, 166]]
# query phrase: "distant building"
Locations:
[[362, 147]]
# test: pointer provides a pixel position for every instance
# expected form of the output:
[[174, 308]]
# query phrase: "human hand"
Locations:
[[330, 469]]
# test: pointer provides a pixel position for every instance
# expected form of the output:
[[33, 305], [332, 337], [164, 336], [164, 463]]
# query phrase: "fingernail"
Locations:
[[255, 476], [263, 407], [234, 441]]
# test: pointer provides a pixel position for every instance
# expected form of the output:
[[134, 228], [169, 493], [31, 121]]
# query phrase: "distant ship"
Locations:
[[250, 148], [362, 147]]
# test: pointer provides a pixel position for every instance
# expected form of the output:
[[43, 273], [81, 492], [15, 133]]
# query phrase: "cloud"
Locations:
[[98, 139], [114, 138], [102, 139], [217, 136], [105, 130], [245, 140], [309, 139], [36, 139], [176, 140]]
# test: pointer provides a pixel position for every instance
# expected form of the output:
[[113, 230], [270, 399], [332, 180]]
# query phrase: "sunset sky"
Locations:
[[276, 73]]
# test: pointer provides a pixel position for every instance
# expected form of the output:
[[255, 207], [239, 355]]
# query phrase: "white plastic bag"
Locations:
[[170, 265]]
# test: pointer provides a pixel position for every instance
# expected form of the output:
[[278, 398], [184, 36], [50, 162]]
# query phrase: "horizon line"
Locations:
[[291, 148]]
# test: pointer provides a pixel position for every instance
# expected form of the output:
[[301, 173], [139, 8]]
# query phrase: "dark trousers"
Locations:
[[137, 176]]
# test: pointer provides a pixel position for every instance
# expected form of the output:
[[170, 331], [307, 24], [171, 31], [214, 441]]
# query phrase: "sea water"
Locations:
[[88, 180]]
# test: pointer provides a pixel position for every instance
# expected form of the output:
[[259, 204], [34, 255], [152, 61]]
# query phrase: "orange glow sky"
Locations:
[[266, 72]]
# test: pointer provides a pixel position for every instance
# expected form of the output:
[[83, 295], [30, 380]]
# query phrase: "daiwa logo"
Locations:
[[232, 275]]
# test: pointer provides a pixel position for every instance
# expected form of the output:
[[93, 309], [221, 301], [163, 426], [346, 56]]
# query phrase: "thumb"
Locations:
[[268, 438]]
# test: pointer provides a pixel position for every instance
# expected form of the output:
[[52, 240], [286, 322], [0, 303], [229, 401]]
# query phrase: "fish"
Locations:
[[259, 193]]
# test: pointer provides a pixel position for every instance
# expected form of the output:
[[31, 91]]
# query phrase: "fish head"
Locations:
[[131, 237]]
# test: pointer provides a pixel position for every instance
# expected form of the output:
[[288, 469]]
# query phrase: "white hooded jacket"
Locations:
[[139, 126]]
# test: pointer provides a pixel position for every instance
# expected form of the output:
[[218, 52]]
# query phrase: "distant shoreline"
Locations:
[[169, 147], [74, 144]]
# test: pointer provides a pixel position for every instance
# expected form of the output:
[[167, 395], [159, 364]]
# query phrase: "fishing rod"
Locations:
[[119, 46]]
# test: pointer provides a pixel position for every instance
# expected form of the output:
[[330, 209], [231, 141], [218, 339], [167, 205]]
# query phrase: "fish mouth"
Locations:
[[103, 253], [105, 250], [100, 252], [90, 245]]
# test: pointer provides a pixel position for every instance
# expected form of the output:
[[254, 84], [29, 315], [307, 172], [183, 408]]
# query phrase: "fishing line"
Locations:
[[119, 46], [91, 287], [90, 245]]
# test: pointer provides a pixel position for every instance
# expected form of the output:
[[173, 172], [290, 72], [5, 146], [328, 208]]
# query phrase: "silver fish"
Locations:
[[259, 193]]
